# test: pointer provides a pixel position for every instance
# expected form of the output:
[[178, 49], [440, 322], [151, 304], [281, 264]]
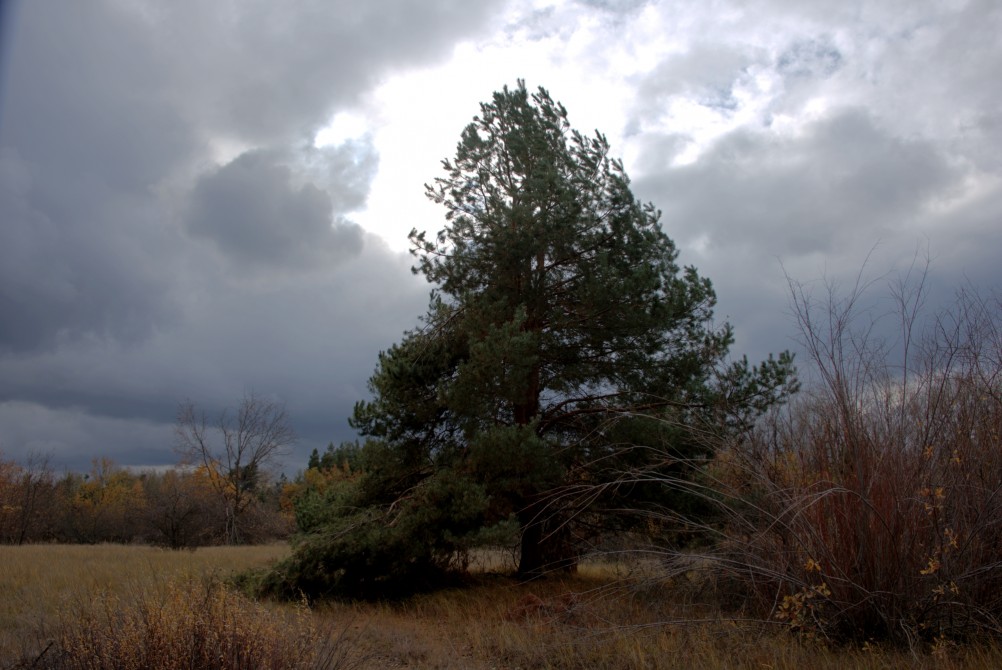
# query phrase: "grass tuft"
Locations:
[[190, 625]]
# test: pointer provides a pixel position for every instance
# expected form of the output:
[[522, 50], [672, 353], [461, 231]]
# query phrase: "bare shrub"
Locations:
[[871, 508]]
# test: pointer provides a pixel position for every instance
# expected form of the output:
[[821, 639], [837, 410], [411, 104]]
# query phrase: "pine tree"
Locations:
[[560, 314], [561, 337]]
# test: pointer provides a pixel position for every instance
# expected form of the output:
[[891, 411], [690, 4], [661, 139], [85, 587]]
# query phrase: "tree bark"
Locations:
[[545, 545]]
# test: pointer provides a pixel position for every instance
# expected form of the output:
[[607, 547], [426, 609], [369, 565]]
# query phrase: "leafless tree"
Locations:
[[180, 511], [36, 487], [26, 496], [235, 450]]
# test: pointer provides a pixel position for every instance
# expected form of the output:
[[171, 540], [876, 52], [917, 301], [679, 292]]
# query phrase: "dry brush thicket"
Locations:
[[870, 508]]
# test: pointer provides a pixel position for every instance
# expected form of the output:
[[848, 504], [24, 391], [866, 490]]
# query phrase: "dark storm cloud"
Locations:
[[312, 342], [168, 229], [266, 71], [255, 215], [83, 103], [80, 146], [89, 270], [37, 429]]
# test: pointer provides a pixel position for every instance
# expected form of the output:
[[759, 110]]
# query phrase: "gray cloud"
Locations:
[[312, 342], [32, 428], [256, 215], [707, 72], [268, 72], [890, 149], [168, 229], [82, 142], [616, 6], [67, 273], [84, 104], [809, 193], [819, 203], [810, 58]]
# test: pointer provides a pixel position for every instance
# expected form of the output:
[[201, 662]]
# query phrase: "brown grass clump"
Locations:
[[532, 606], [37, 582], [189, 625]]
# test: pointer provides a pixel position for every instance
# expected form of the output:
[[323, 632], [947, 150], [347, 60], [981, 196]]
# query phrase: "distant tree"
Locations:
[[26, 500], [313, 463], [181, 510], [234, 451], [560, 336], [105, 505], [36, 490], [10, 501], [332, 457]]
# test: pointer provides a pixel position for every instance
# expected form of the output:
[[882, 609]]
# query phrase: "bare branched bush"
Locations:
[[870, 508]]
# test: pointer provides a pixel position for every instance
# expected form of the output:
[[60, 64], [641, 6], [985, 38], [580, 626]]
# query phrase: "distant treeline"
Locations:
[[177, 508]]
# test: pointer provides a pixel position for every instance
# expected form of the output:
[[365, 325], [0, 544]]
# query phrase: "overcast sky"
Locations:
[[199, 199]]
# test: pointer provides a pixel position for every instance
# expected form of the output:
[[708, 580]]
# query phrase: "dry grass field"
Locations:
[[135, 603]]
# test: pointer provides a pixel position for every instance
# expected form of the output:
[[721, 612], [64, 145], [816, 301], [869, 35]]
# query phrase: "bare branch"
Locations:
[[236, 451]]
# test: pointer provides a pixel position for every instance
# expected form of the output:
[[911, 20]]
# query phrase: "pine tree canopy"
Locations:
[[561, 336]]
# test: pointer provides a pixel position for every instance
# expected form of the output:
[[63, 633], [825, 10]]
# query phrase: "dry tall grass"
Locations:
[[40, 584], [138, 607], [609, 616], [192, 625]]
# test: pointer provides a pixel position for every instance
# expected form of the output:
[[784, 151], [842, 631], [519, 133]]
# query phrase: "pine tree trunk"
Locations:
[[546, 545]]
